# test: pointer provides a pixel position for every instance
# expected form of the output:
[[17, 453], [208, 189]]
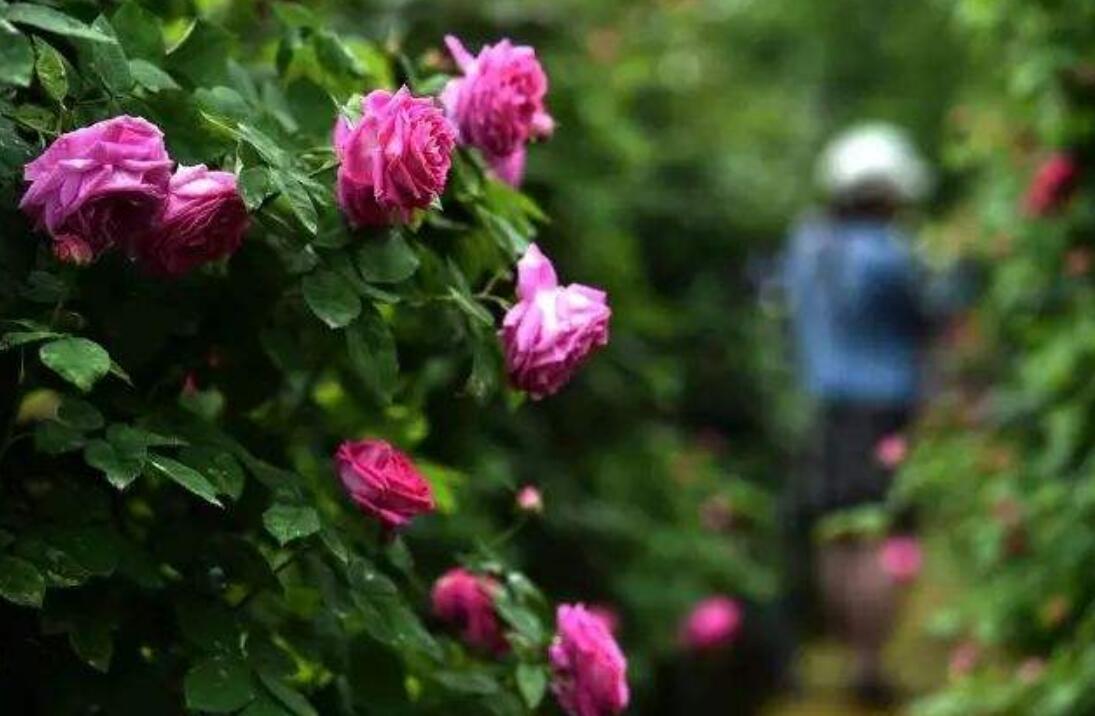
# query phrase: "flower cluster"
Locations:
[[109, 185], [498, 103]]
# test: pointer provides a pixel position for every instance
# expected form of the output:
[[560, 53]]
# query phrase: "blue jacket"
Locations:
[[859, 323]]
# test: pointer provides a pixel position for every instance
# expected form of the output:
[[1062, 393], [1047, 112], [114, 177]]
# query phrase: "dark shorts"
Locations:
[[842, 469]]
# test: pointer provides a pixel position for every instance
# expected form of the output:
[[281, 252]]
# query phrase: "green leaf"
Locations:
[[53, 438], [138, 32], [331, 297], [50, 20], [79, 414], [187, 477], [468, 681], [151, 77], [223, 102], [291, 699], [299, 201], [202, 55], [532, 682], [387, 260], [77, 360], [92, 641], [255, 185], [265, 705], [268, 149], [290, 522], [50, 69], [294, 14], [16, 57], [219, 467], [334, 56], [120, 467], [20, 338], [372, 352], [220, 684], [21, 583], [131, 437], [108, 61]]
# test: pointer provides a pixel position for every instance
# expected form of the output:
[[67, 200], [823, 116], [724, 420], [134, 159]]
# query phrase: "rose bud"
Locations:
[[712, 623], [901, 558], [891, 451], [383, 482], [394, 160], [530, 500], [1053, 184], [552, 329], [205, 220], [98, 186], [466, 601], [498, 103], [589, 672]]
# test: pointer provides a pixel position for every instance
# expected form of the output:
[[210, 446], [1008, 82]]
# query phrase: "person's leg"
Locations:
[[872, 603]]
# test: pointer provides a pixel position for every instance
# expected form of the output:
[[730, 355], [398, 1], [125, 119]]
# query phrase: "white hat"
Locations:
[[873, 157]]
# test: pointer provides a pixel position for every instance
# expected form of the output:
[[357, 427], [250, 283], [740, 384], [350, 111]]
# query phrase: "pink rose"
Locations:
[[529, 499], [498, 104], [891, 451], [98, 187], [589, 672], [383, 482], [712, 623], [1053, 183], [552, 329], [205, 219], [466, 601], [608, 616], [901, 558], [394, 160]]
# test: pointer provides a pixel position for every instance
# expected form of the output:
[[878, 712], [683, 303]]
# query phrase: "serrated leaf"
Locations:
[[331, 297], [50, 20], [532, 682], [49, 67], [138, 32], [221, 684], [121, 468], [108, 60], [21, 583], [16, 57], [186, 477], [290, 522], [300, 203], [202, 55], [219, 467], [151, 77], [255, 186], [372, 352], [387, 260], [79, 414], [77, 360]]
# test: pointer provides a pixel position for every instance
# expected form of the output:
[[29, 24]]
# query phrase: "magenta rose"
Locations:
[[99, 187], [1053, 184], [205, 219], [589, 672], [466, 601], [498, 103], [383, 482], [395, 159], [552, 329], [901, 558], [712, 623]]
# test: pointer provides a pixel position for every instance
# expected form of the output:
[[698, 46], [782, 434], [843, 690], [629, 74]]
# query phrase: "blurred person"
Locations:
[[861, 319]]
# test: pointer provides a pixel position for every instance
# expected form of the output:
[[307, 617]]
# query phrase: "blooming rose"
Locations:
[[589, 672], [205, 219], [1053, 183], [552, 329], [394, 160], [466, 601], [383, 482], [713, 622], [609, 616], [498, 104], [529, 499], [98, 187], [901, 558]]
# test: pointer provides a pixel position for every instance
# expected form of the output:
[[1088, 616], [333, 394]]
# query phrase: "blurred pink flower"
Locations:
[[498, 103], [901, 558], [589, 672], [963, 659], [383, 482], [1052, 185], [608, 616], [552, 329], [394, 160], [529, 499], [712, 623], [204, 220], [97, 185], [1030, 670], [466, 601], [891, 451], [717, 513]]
